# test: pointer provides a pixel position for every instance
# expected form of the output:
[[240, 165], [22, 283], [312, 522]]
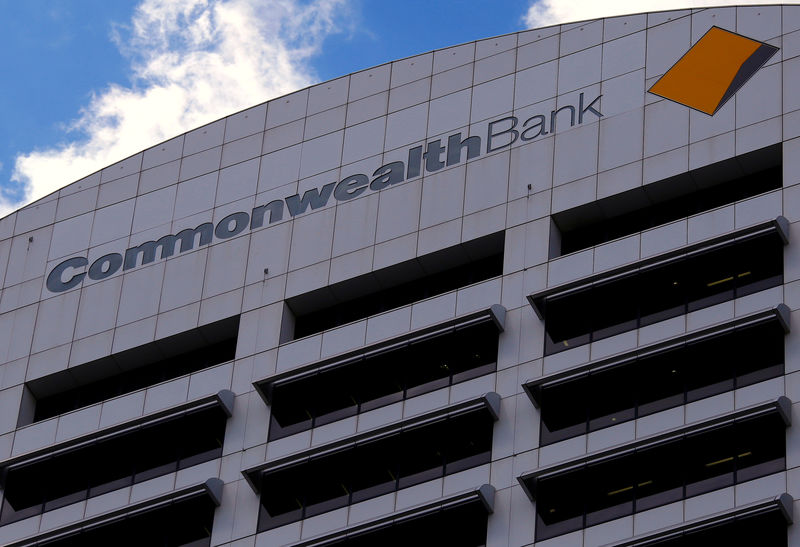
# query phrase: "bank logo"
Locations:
[[713, 70]]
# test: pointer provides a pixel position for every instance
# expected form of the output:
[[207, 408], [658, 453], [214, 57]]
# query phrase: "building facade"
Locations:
[[536, 289]]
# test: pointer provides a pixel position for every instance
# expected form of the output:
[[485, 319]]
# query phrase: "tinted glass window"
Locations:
[[390, 294], [105, 465], [658, 292], [653, 476], [134, 379], [373, 468], [383, 378], [654, 210], [657, 381], [187, 523]]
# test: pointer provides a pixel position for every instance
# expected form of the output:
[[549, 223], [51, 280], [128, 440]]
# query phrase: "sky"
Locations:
[[89, 82]]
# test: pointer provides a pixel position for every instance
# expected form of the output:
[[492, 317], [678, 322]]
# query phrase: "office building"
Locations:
[[535, 289]]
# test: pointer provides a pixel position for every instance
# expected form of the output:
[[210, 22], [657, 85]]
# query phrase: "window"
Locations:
[[651, 476], [665, 201], [395, 286], [382, 375], [655, 291], [658, 379], [365, 469], [111, 462], [134, 369]]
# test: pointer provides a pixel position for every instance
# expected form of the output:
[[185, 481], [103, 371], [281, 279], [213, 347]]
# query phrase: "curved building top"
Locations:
[[400, 160]]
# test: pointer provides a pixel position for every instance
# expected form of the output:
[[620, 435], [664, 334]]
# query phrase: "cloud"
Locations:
[[542, 13], [192, 61]]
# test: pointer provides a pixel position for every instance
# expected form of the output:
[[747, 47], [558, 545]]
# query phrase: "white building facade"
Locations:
[[535, 289]]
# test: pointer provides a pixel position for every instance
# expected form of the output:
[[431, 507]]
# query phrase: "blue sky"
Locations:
[[88, 82]]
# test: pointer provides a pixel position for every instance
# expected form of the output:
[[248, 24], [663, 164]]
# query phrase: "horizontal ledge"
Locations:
[[484, 495], [781, 406], [211, 488], [222, 399], [490, 402], [780, 226], [779, 313], [782, 503], [495, 314]]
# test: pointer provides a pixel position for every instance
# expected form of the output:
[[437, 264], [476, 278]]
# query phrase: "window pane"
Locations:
[[568, 321], [661, 292], [114, 465], [710, 460], [323, 484], [560, 504], [428, 366], [382, 382], [710, 278], [334, 394], [421, 457], [756, 268], [759, 353], [760, 448], [709, 369], [659, 476], [24, 493], [67, 479], [475, 351], [160, 452], [564, 410], [287, 507], [660, 383], [469, 442], [611, 397], [616, 311], [290, 410], [610, 488], [373, 473]]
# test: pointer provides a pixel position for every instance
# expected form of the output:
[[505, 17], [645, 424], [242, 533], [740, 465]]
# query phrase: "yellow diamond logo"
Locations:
[[713, 70]]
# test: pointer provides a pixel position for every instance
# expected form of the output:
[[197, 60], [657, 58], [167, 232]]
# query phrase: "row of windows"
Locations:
[[399, 285], [582, 227], [661, 291], [108, 464], [373, 468], [656, 475], [650, 383], [211, 345], [379, 379]]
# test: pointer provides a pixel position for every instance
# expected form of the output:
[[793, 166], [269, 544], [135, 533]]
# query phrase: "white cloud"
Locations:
[[550, 12], [192, 61]]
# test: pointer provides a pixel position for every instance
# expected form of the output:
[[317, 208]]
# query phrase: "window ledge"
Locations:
[[211, 488], [780, 313], [496, 314], [490, 402], [780, 226], [223, 399], [483, 494], [782, 503], [782, 406]]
